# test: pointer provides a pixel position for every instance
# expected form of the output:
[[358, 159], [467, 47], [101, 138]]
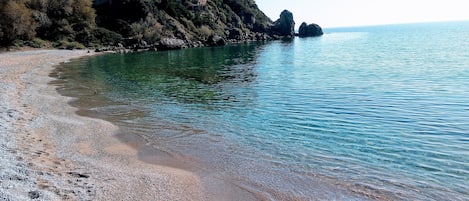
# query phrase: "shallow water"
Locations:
[[360, 113]]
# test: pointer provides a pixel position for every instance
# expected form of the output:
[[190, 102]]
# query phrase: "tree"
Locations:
[[83, 20], [16, 22]]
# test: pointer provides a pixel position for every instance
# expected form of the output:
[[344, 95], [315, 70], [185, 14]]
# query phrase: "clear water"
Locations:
[[360, 113]]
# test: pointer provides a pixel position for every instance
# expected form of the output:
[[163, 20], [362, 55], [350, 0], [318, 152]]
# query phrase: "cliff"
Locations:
[[136, 24], [141, 22], [192, 22]]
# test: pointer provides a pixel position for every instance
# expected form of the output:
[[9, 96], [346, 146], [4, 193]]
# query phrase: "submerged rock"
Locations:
[[310, 30], [285, 26]]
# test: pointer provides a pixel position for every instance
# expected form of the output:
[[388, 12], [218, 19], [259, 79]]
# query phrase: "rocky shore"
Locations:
[[139, 25], [50, 153], [282, 28]]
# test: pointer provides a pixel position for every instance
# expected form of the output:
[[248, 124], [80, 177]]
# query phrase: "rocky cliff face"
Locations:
[[196, 22]]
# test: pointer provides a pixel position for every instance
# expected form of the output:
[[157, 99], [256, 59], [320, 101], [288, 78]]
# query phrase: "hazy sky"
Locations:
[[338, 13]]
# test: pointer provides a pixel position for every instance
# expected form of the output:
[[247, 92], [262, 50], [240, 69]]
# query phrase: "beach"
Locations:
[[51, 153], [327, 118]]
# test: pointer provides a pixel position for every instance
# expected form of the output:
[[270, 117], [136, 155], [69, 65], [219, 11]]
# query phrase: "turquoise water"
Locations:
[[360, 113]]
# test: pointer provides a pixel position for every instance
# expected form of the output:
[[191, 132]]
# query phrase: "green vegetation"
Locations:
[[53, 20], [79, 23], [189, 20]]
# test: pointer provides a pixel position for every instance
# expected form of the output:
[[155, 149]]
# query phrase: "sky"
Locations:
[[347, 13]]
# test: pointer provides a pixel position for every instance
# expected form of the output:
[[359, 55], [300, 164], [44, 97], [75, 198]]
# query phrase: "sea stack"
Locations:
[[285, 26], [310, 30]]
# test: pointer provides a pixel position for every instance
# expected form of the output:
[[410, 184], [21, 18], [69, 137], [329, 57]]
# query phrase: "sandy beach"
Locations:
[[50, 153]]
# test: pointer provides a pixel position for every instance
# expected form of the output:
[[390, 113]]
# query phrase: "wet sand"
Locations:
[[51, 153]]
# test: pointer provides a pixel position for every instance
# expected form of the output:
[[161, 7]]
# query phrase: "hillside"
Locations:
[[32, 22], [193, 21], [142, 23]]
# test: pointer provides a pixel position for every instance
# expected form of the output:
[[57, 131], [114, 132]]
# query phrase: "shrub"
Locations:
[[18, 44], [64, 44], [16, 22], [205, 31], [148, 29], [36, 43], [106, 37]]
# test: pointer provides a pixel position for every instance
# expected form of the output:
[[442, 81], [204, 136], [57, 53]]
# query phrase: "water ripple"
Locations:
[[378, 114]]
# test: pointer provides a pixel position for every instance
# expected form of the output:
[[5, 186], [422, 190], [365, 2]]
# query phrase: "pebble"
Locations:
[[33, 194]]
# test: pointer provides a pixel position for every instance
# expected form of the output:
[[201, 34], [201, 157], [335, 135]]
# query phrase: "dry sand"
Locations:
[[50, 153]]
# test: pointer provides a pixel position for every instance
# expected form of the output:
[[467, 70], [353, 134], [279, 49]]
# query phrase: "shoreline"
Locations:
[[51, 153]]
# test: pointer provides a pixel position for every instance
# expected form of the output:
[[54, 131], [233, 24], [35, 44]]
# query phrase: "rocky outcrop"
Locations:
[[215, 40], [171, 44], [310, 30], [285, 26], [178, 34]]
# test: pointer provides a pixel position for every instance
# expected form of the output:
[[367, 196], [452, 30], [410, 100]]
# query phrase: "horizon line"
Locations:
[[393, 23]]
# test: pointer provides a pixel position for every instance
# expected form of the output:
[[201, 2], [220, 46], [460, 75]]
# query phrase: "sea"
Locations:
[[360, 113]]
